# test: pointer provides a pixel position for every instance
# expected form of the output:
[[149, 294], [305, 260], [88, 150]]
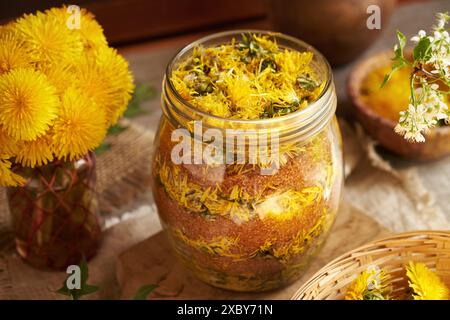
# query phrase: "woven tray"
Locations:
[[391, 254]]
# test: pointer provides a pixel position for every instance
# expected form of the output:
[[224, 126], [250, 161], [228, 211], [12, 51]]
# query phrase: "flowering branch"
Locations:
[[429, 81]]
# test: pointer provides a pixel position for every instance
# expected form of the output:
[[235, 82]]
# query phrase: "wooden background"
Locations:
[[131, 21]]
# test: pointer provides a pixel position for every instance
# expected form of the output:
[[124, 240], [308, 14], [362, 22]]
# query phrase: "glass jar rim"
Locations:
[[278, 35]]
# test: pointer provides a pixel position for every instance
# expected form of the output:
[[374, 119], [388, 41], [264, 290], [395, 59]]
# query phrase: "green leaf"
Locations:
[[386, 79], [249, 43], [398, 61], [85, 288], [398, 64], [142, 92], [133, 111], [144, 291], [401, 41], [422, 49], [64, 291], [102, 148], [116, 129], [84, 271], [305, 82]]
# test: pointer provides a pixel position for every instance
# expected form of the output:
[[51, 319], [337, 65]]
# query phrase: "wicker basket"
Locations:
[[390, 254]]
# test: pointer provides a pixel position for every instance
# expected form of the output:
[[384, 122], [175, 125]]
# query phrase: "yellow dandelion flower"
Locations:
[[241, 95], [7, 177], [90, 31], [48, 39], [369, 285], [13, 53], [8, 146], [181, 86], [28, 103], [80, 126], [60, 75], [6, 28], [35, 153], [105, 77], [293, 63], [426, 284], [257, 79], [217, 105], [357, 288], [270, 45]]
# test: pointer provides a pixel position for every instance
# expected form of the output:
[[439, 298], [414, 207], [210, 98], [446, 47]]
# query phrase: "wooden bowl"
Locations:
[[437, 143], [390, 254]]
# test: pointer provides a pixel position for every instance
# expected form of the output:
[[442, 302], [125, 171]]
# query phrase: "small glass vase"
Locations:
[[55, 214]]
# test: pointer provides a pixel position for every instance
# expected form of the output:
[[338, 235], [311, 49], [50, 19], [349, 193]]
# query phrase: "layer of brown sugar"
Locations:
[[262, 251]]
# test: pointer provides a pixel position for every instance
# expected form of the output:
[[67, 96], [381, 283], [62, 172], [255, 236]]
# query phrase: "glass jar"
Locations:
[[246, 224], [55, 216]]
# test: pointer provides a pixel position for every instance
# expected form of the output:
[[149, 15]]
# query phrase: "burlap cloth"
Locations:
[[400, 197]]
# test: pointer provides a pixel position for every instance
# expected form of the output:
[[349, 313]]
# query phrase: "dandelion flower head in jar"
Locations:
[[251, 79]]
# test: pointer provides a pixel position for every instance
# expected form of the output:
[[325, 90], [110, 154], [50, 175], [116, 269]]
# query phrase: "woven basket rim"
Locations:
[[349, 256]]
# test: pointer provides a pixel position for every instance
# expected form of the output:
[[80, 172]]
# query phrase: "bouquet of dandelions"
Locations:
[[61, 88], [429, 80]]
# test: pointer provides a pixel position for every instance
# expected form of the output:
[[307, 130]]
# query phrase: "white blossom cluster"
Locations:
[[428, 105], [440, 45], [425, 114]]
